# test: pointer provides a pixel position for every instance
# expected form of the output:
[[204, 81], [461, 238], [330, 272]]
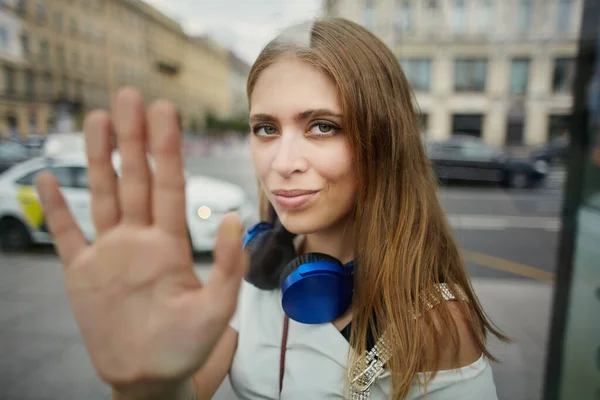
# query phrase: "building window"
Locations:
[[75, 59], [32, 123], [29, 84], [424, 119], [515, 123], [459, 16], [48, 87], [44, 51], [22, 6], [470, 74], [74, 29], [563, 15], [60, 55], [9, 80], [484, 18], [87, 32], [65, 87], [418, 73], [524, 16], [40, 11], [404, 16], [558, 125], [100, 35], [369, 14], [519, 75], [79, 89], [467, 124], [4, 41], [25, 44], [58, 20], [514, 132], [564, 74]]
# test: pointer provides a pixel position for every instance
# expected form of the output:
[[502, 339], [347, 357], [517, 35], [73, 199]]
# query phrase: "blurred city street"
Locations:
[[509, 240], [519, 226], [496, 92]]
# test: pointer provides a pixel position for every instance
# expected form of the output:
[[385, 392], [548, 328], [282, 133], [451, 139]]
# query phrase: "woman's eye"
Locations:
[[265, 130], [269, 130], [322, 128]]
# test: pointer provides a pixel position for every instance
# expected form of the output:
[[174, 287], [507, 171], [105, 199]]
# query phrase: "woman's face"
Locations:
[[299, 148]]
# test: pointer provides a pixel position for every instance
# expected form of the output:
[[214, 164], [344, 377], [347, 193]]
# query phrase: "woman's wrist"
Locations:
[[183, 391]]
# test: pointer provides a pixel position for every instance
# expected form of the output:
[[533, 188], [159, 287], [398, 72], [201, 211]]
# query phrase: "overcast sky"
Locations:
[[244, 26]]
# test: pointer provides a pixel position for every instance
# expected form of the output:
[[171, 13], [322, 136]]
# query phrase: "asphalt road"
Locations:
[[509, 242]]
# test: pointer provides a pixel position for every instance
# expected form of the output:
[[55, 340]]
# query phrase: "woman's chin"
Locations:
[[299, 223], [308, 222]]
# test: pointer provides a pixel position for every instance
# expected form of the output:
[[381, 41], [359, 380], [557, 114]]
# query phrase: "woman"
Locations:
[[342, 172]]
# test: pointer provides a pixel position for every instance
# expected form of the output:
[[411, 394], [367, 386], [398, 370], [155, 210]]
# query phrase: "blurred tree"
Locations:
[[194, 128], [217, 126]]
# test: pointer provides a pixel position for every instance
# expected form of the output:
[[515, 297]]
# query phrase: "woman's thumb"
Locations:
[[230, 261]]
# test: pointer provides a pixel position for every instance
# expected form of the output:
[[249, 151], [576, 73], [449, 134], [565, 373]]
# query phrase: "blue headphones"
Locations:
[[316, 288]]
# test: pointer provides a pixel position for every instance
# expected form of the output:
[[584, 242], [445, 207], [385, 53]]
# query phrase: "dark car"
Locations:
[[554, 152], [12, 153], [467, 158]]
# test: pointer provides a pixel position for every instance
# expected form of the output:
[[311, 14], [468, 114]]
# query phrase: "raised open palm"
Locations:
[[144, 316]]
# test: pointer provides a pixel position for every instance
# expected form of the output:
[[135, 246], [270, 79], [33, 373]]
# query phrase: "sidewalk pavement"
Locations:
[[521, 309]]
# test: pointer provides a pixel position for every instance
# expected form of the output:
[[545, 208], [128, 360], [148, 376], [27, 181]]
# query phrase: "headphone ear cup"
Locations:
[[301, 260], [316, 288]]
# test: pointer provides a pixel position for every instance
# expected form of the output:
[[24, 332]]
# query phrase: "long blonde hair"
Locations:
[[403, 243]]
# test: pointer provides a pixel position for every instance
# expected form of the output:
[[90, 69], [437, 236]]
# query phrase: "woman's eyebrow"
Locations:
[[262, 118], [318, 112], [313, 113]]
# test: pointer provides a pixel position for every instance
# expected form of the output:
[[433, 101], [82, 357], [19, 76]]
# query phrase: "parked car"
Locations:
[[466, 158], [554, 152], [12, 153], [22, 220]]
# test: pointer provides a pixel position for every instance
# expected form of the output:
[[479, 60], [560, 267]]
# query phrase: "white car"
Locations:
[[22, 221]]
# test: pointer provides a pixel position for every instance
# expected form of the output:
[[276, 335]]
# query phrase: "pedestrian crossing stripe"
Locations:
[[30, 206]]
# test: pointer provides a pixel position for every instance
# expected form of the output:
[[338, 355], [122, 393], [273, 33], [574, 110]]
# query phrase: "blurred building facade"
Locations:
[[61, 58], [13, 59], [501, 70], [239, 75], [209, 74], [46, 81]]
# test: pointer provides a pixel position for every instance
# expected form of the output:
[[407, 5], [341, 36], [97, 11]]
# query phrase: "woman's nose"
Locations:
[[290, 157]]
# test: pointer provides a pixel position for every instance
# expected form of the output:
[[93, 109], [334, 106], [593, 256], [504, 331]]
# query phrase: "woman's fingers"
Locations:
[[168, 199], [67, 236], [135, 183], [231, 264], [106, 211]]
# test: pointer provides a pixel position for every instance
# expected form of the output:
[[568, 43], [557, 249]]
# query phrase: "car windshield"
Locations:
[[12, 151], [64, 143], [480, 146]]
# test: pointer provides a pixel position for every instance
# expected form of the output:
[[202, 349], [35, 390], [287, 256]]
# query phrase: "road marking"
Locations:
[[499, 222], [501, 264], [501, 195]]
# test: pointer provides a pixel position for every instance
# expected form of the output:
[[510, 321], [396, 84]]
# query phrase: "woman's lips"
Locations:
[[293, 198]]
